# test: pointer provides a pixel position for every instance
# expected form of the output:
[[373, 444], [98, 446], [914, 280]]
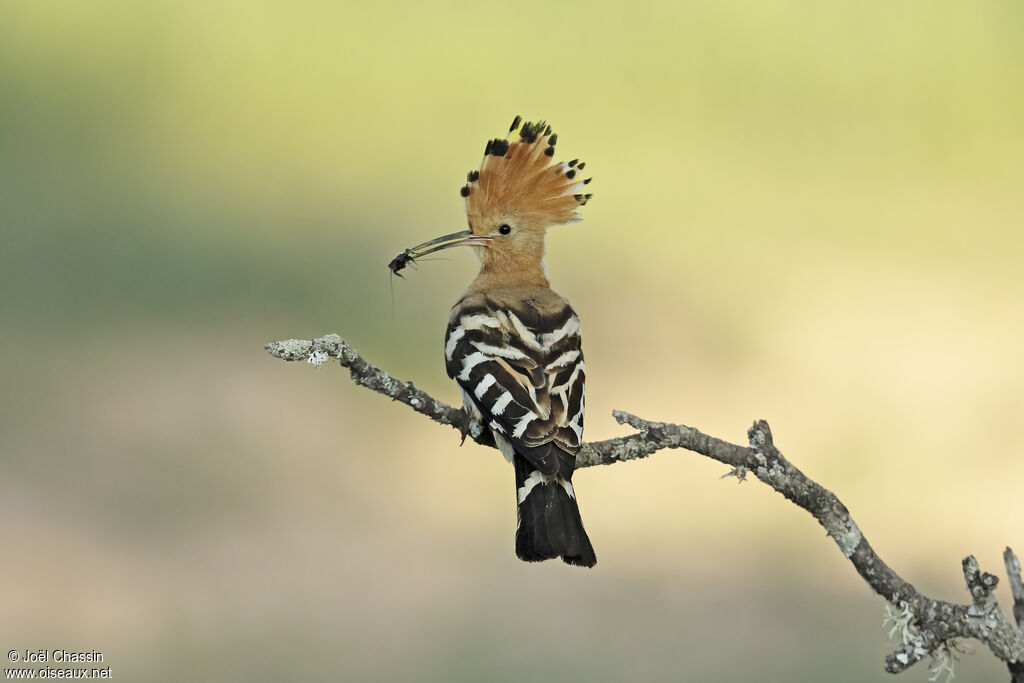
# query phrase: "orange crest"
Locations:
[[518, 179]]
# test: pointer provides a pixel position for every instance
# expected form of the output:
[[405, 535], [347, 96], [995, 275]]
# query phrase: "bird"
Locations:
[[512, 344]]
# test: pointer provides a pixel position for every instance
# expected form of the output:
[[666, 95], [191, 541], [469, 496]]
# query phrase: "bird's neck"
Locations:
[[509, 274]]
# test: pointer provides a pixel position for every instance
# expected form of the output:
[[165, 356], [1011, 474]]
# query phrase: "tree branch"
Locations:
[[926, 626]]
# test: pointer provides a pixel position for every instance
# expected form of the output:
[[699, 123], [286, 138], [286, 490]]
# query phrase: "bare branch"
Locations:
[[1017, 591], [370, 376], [1016, 585], [928, 625]]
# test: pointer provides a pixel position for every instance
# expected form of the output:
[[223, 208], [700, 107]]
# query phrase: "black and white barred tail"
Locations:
[[550, 525]]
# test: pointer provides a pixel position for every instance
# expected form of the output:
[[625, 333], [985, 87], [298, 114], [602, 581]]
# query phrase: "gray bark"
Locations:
[[927, 626]]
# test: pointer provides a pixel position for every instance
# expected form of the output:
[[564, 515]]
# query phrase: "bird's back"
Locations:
[[528, 340]]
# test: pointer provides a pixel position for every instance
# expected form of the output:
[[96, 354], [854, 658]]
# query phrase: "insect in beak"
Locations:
[[456, 239]]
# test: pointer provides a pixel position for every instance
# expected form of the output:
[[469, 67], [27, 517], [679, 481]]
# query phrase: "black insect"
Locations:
[[400, 261], [414, 254]]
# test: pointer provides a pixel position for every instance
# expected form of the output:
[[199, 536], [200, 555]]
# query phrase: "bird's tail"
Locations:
[[549, 518]]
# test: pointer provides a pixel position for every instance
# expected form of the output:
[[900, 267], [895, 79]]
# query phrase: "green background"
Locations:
[[804, 212]]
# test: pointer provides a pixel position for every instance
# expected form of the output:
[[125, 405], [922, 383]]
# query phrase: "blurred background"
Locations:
[[804, 212]]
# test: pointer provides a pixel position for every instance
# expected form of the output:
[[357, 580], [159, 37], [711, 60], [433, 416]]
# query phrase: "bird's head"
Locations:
[[515, 196]]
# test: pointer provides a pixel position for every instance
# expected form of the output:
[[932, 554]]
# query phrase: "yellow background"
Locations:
[[804, 212]]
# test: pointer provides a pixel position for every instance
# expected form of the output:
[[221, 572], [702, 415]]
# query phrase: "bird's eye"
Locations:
[[505, 229]]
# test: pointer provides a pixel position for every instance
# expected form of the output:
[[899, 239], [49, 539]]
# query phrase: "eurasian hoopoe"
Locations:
[[513, 344]]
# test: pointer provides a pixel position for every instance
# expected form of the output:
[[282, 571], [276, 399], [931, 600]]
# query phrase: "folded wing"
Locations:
[[523, 370]]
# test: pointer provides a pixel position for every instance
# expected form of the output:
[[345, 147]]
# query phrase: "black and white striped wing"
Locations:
[[525, 375]]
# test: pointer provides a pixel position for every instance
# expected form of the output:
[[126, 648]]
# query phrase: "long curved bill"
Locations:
[[456, 239]]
